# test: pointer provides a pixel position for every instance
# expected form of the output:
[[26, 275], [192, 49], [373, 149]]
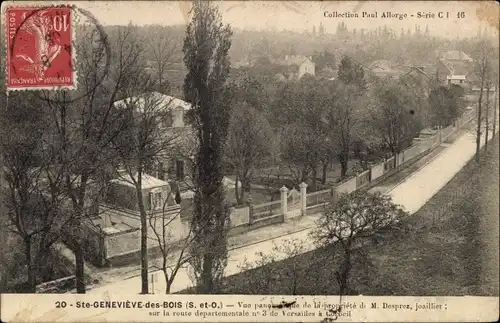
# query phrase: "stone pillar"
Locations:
[[284, 200], [250, 210], [303, 197], [105, 220], [334, 195]]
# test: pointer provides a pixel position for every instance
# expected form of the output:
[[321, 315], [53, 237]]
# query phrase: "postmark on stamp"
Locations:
[[39, 53]]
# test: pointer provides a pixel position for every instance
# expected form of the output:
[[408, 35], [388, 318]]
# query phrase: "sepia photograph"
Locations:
[[271, 161]]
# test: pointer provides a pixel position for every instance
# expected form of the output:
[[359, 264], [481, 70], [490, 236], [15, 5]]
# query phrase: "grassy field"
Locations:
[[446, 250]]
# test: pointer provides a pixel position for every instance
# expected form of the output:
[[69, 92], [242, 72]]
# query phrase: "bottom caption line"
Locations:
[[243, 308]]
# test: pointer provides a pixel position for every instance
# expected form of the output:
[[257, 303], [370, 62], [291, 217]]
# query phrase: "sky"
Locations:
[[301, 15]]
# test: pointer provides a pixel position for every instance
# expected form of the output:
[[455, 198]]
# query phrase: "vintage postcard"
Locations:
[[249, 161]]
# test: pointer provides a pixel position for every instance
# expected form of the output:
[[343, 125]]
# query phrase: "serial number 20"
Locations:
[[61, 304]]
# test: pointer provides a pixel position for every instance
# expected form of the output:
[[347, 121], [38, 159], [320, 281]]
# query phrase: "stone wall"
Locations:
[[411, 152], [363, 179], [347, 186], [122, 243], [240, 216], [377, 171]]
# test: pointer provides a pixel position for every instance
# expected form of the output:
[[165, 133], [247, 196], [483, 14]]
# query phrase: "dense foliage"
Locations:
[[206, 47]]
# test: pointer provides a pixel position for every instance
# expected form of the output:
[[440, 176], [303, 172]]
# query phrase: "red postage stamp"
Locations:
[[39, 53]]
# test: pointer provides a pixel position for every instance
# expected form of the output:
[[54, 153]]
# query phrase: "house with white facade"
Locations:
[[455, 67], [173, 167], [298, 66]]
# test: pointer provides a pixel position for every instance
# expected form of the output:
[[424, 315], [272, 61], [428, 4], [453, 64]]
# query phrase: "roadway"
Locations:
[[412, 193]]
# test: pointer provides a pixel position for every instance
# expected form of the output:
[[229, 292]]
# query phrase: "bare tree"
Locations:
[[306, 143], [270, 177], [144, 141], [487, 112], [348, 97], [292, 248], [304, 149], [353, 218], [264, 272], [392, 118], [495, 80], [33, 197], [86, 125], [206, 47], [174, 253], [164, 50], [495, 108], [352, 73], [345, 102], [247, 147], [491, 83], [482, 68]]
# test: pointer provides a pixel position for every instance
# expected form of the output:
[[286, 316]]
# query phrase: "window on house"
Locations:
[[167, 121], [179, 169], [159, 200], [461, 81], [121, 169], [156, 200], [171, 170], [178, 116]]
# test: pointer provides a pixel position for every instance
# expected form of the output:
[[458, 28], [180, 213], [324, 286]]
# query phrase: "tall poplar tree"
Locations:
[[205, 50]]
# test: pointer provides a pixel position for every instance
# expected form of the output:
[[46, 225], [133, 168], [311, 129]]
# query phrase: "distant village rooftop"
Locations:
[[384, 68], [294, 59], [455, 55], [156, 98], [455, 77]]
